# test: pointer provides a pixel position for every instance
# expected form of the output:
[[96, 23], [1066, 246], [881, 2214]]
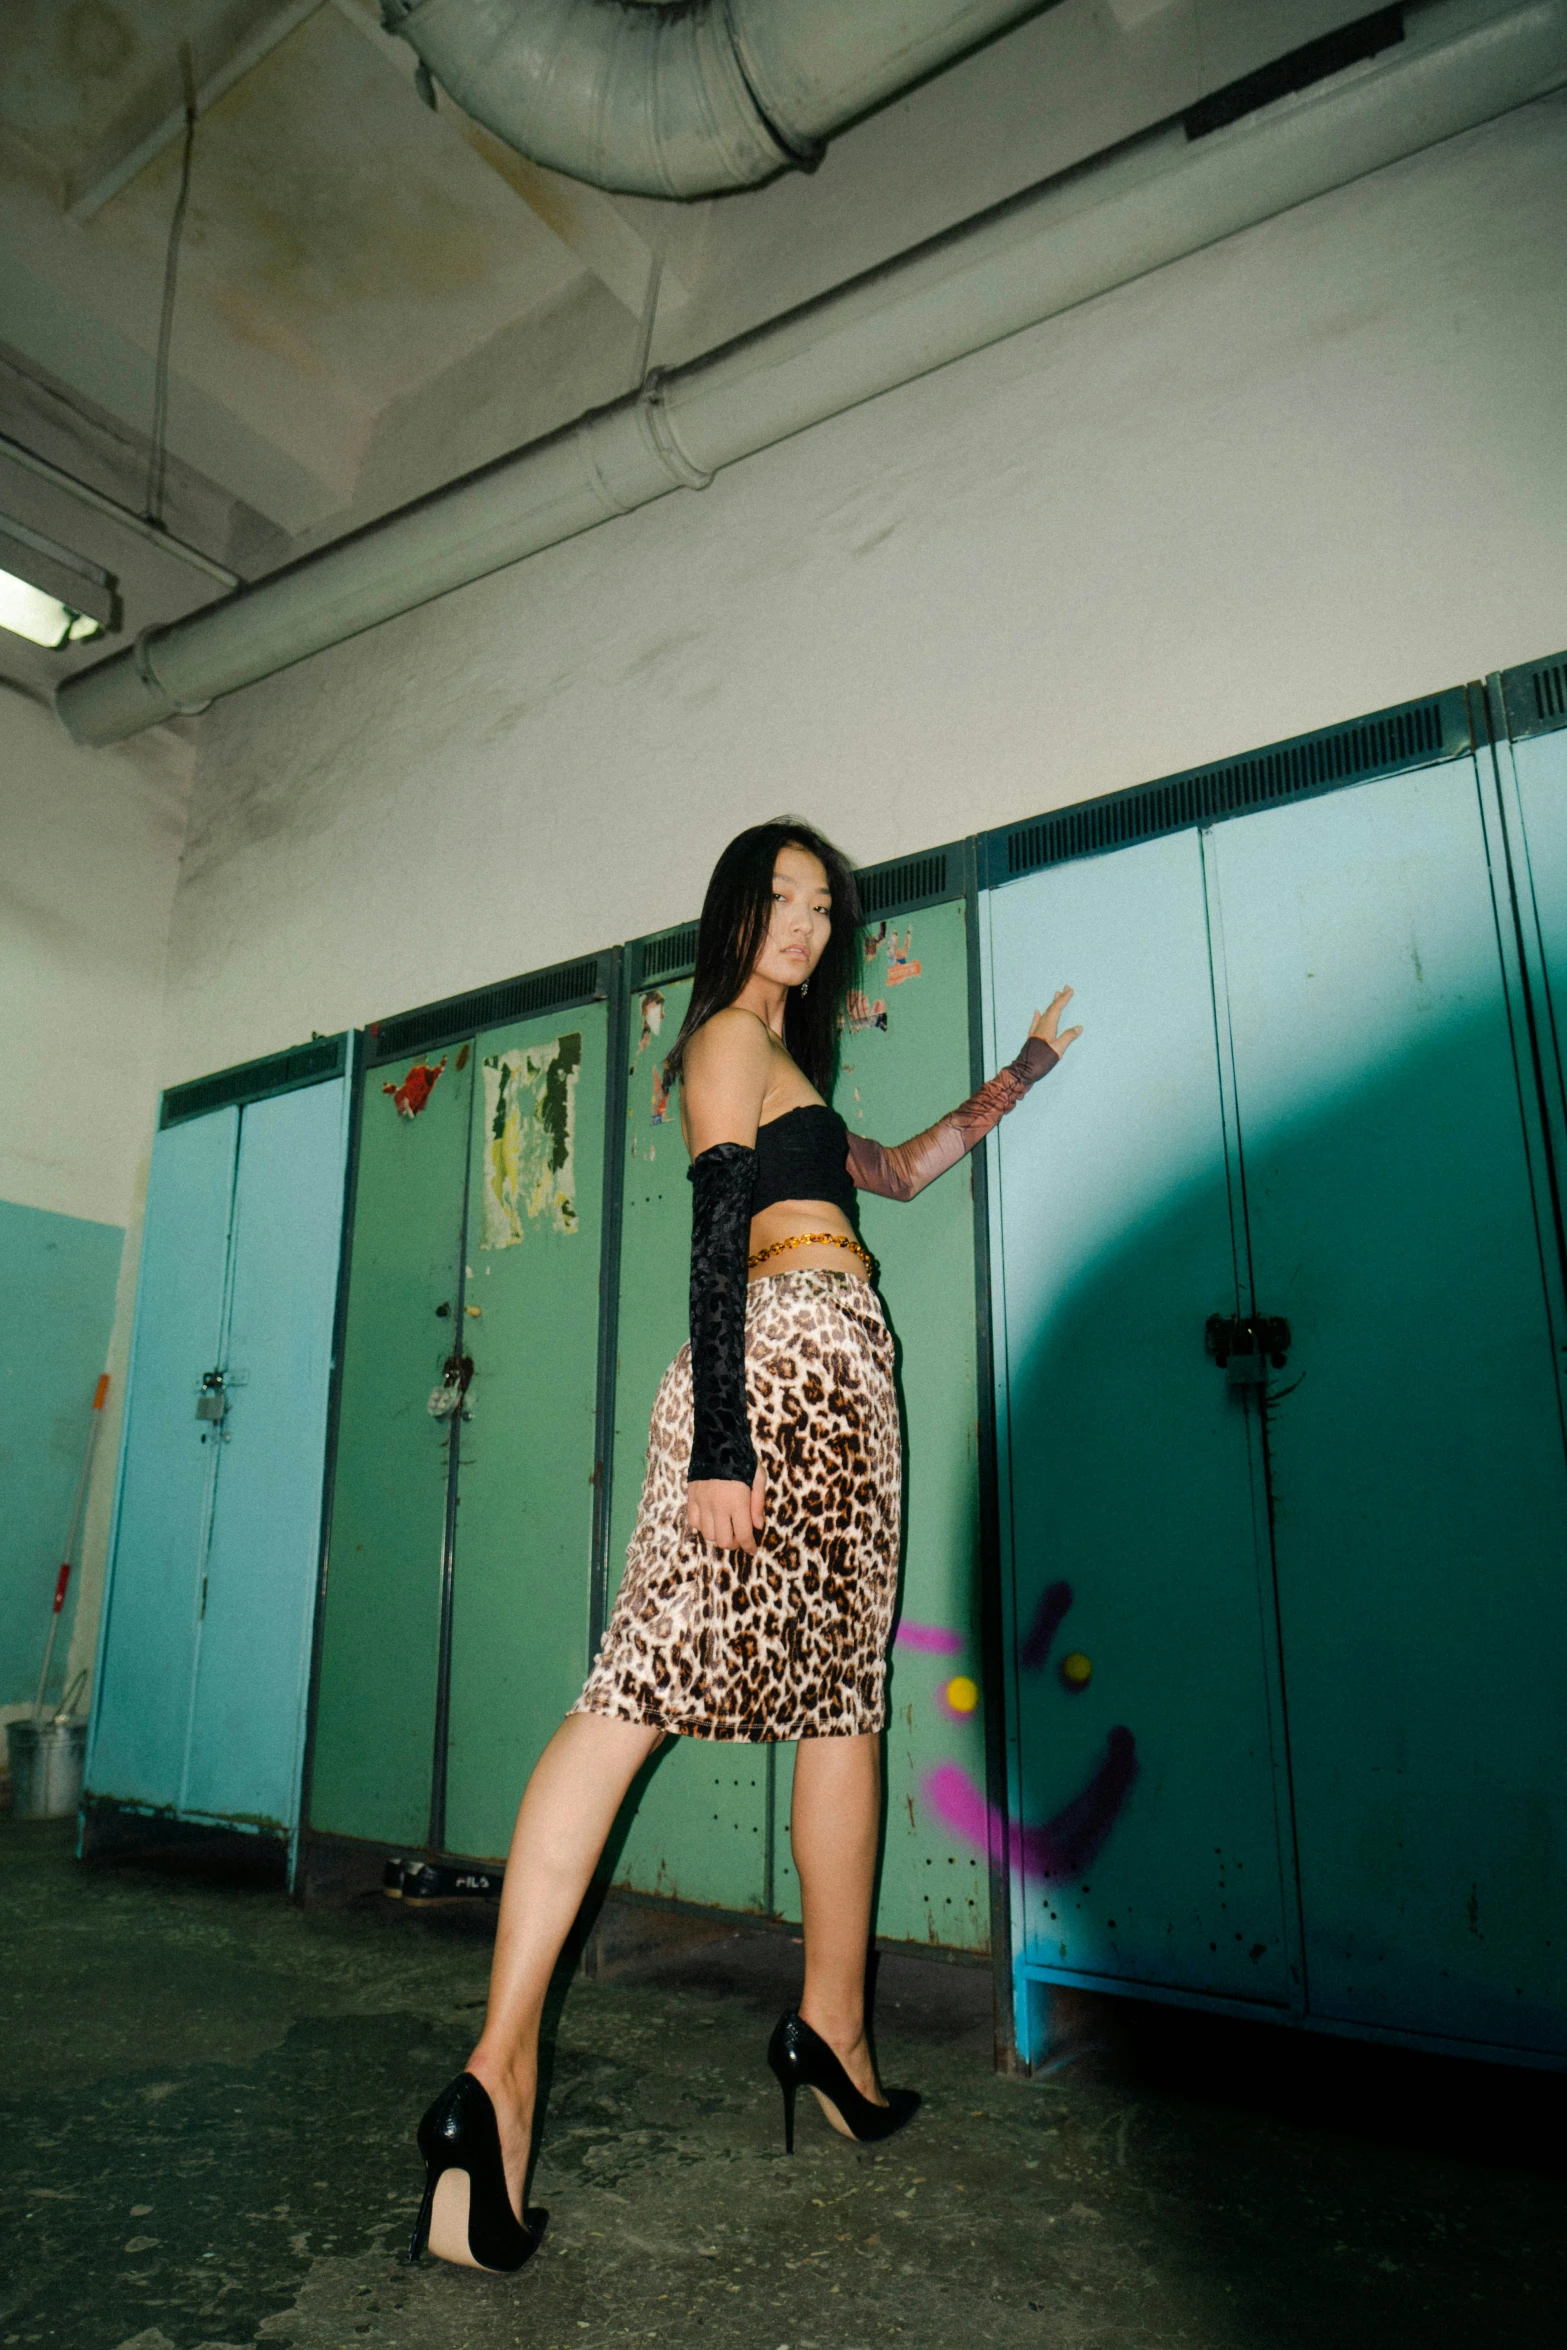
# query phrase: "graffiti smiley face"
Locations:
[[1065, 1844]]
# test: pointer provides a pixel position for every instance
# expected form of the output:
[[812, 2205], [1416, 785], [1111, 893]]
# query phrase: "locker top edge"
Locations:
[[1421, 733], [314, 1063], [560, 987], [1534, 696], [903, 884]]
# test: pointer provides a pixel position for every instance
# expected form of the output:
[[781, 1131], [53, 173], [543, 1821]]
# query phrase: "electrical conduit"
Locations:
[[685, 100]]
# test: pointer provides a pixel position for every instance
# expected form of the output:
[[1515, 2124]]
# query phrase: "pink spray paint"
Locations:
[[1062, 1846], [930, 1639]]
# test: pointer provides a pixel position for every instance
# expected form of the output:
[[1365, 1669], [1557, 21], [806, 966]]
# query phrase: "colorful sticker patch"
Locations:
[[409, 1098], [900, 960], [864, 1010], [530, 1115], [652, 1019]]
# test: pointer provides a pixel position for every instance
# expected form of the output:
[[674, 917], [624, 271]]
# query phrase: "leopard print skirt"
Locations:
[[791, 1641]]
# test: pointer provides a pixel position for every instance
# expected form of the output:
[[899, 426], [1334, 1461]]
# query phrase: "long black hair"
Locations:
[[735, 915]]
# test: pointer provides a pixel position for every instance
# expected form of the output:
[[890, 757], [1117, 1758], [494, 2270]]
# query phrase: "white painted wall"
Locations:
[[91, 848], [1317, 469]]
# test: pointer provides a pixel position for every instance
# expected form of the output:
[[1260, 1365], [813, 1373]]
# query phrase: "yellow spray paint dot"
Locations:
[[962, 1694], [1075, 1669]]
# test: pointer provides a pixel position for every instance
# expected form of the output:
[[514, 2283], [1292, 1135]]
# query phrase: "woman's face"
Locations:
[[801, 922]]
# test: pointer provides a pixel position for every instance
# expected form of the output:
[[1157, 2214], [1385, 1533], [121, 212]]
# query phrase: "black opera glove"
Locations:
[[722, 1182]]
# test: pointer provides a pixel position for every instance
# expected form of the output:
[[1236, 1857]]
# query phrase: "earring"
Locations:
[[805, 987]]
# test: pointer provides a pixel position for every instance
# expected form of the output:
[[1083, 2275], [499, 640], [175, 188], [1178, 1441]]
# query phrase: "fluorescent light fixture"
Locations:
[[48, 593], [42, 619]]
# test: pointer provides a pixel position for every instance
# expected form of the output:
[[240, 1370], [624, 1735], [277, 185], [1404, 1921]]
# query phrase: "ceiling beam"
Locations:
[[108, 178], [153, 532]]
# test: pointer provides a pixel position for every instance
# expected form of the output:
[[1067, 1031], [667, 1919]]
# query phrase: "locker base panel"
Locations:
[[1044, 2036], [621, 1929], [624, 1928], [109, 1831]]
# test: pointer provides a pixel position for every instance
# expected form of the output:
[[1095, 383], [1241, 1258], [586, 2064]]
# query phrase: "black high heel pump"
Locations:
[[801, 2058], [459, 2133]]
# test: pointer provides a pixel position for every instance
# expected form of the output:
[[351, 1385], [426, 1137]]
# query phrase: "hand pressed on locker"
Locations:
[[1046, 1024]]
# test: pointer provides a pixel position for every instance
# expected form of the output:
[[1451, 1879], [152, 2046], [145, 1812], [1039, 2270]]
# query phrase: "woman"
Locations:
[[759, 1586]]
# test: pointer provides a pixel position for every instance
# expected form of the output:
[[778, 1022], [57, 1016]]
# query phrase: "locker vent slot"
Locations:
[[1297, 71], [1386, 743], [672, 955], [1535, 697], [486, 1007], [910, 883], [254, 1081]]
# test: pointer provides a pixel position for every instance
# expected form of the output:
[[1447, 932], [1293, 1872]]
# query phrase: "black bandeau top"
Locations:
[[803, 1155]]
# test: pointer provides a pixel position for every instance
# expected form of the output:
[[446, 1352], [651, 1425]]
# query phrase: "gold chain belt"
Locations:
[[812, 1240]]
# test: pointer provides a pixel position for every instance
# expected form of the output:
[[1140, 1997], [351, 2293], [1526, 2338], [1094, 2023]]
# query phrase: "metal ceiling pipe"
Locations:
[[1151, 202], [684, 97]]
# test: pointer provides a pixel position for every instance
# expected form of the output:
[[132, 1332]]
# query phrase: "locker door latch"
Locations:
[[212, 1402], [1245, 1347], [446, 1399]]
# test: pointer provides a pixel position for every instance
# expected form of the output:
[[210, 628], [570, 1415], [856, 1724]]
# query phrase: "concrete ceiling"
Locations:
[[374, 297]]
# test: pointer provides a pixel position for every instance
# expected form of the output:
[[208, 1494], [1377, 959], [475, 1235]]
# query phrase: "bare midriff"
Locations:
[[789, 1219]]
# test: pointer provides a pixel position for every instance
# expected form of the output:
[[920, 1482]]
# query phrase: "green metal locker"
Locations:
[[698, 1826], [457, 1608], [907, 1058], [528, 1452], [378, 1666], [710, 1824]]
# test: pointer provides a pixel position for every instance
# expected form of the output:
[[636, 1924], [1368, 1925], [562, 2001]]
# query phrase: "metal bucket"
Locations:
[[46, 1766]]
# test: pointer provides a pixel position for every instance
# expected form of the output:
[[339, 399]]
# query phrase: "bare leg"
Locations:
[[835, 1822], [567, 1811]]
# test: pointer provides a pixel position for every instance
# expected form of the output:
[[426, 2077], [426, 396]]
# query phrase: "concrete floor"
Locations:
[[209, 2097]]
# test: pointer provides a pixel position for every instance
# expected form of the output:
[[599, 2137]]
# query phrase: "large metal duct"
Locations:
[[1154, 200], [684, 97]]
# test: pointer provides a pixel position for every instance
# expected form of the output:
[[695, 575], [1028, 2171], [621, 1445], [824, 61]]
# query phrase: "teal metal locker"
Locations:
[[1148, 1809], [465, 1520], [1527, 710], [1306, 1109], [204, 1644], [1419, 1479]]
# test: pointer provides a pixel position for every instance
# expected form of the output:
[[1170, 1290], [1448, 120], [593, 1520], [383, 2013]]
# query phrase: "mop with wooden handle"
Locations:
[[62, 1580]]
